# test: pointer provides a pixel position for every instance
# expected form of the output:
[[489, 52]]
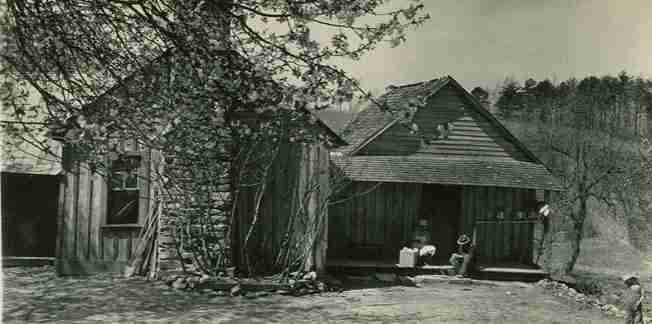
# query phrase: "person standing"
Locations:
[[633, 299]]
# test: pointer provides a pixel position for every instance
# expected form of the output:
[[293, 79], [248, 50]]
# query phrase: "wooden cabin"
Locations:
[[430, 151], [101, 219]]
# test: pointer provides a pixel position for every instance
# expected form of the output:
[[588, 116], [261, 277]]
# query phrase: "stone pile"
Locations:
[[294, 284], [562, 290]]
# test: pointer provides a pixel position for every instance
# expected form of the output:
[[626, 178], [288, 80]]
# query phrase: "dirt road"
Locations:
[[36, 295]]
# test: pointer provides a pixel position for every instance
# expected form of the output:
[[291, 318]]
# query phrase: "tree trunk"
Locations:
[[577, 235]]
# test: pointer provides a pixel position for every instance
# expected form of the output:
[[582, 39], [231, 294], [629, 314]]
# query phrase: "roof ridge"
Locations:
[[391, 86]]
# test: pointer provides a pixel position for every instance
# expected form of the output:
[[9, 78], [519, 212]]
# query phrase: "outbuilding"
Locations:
[[430, 152]]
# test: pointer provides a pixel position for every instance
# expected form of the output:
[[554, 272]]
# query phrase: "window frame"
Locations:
[[142, 187]]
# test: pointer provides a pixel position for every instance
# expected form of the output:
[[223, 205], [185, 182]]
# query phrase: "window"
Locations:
[[441, 132], [444, 130], [124, 191]]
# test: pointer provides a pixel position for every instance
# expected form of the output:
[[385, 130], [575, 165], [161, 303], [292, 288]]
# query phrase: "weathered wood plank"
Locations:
[[371, 216], [491, 214], [499, 230], [417, 190], [398, 208], [395, 224], [83, 212], [323, 172], [380, 215], [120, 254], [478, 206], [481, 213], [471, 201], [123, 246], [88, 267], [144, 184], [61, 214], [358, 216], [109, 249], [464, 207], [519, 244], [70, 218], [508, 236], [95, 214], [530, 228]]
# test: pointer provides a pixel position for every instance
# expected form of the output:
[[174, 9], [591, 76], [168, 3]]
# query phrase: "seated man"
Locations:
[[462, 260]]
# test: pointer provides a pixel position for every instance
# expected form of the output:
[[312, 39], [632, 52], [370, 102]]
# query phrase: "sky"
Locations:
[[481, 42]]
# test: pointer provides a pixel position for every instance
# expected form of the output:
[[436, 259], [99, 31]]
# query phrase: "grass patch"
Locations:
[[603, 262]]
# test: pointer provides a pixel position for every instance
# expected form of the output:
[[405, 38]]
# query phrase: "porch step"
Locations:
[[511, 274], [10, 261]]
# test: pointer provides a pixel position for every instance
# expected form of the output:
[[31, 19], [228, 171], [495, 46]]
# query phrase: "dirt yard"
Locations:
[[36, 295]]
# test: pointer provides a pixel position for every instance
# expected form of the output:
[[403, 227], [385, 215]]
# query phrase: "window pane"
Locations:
[[117, 180], [126, 163], [131, 180], [123, 207]]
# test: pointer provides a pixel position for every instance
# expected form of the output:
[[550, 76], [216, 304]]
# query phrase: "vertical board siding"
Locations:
[[144, 175], [123, 246], [70, 206], [60, 218], [498, 231], [376, 215], [498, 241], [109, 250], [491, 215], [510, 240], [508, 226], [295, 172], [83, 212], [86, 246], [96, 216]]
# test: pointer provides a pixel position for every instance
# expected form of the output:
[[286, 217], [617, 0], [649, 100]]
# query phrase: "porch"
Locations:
[[368, 230]]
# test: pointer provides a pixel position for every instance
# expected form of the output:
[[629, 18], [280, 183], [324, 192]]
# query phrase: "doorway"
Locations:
[[29, 215], [441, 206]]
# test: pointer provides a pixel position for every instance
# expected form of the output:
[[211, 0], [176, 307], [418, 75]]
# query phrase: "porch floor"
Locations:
[[509, 271], [12, 261], [368, 266], [385, 264]]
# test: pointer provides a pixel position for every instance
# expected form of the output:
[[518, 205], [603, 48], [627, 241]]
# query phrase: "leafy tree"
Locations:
[[177, 76], [597, 156], [510, 101]]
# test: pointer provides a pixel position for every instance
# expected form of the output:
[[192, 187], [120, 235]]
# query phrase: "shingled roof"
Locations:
[[451, 171], [392, 107], [388, 108]]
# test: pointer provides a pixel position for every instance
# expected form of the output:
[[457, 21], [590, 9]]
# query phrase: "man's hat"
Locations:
[[629, 276], [463, 239], [544, 210]]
